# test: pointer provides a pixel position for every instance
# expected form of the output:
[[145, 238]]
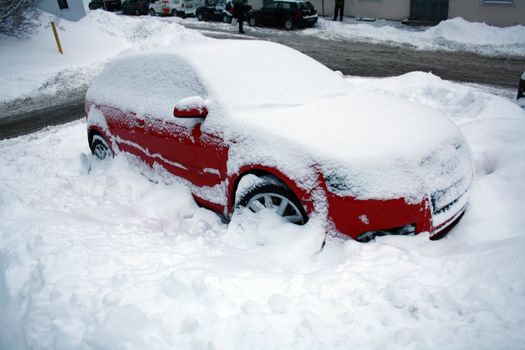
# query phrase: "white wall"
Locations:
[[493, 14]]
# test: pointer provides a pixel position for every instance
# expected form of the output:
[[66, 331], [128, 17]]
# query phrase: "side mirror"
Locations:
[[191, 107]]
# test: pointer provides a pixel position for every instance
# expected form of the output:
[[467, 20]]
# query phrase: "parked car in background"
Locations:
[[108, 5], [288, 14], [219, 10], [366, 163], [135, 7], [181, 8]]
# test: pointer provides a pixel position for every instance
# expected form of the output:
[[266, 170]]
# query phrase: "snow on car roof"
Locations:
[[260, 74]]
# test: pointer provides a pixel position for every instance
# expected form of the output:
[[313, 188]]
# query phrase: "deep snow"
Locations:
[[95, 256]]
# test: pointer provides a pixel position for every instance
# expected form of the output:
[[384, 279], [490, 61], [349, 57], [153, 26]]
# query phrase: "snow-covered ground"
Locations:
[[93, 255], [33, 67], [454, 34]]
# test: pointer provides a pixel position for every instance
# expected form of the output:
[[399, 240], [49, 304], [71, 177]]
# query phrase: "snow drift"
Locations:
[[95, 256]]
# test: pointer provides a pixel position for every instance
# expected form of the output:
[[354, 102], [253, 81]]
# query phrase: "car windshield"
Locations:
[[258, 75]]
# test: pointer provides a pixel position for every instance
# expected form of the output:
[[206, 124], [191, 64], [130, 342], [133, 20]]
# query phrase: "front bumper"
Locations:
[[365, 219]]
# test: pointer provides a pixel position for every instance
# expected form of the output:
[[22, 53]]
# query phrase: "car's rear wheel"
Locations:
[[152, 12], [100, 147], [226, 19], [288, 24], [200, 17], [270, 195], [252, 22]]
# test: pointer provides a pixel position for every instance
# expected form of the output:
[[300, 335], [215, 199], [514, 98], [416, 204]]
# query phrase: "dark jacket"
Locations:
[[339, 3], [238, 10]]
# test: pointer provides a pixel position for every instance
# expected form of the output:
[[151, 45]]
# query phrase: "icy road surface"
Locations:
[[95, 256]]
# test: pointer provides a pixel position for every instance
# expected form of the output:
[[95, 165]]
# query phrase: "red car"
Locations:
[[259, 125]]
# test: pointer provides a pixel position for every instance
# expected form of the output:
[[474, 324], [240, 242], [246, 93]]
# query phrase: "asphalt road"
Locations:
[[349, 57]]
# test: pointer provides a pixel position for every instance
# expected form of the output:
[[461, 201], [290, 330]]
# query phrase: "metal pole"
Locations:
[[322, 5], [56, 37]]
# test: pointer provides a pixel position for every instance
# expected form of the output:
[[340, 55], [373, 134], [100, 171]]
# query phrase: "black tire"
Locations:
[[226, 18], [293, 209], [252, 22], [100, 147], [152, 12], [200, 17], [288, 24]]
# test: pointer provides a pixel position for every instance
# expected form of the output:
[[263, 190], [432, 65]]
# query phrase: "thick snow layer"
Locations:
[[34, 65], [93, 255], [454, 34], [378, 147]]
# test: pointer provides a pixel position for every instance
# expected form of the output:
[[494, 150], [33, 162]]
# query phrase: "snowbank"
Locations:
[[95, 256], [34, 66], [455, 34]]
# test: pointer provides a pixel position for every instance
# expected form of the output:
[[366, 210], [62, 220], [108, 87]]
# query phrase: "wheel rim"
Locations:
[[252, 22], [279, 204], [100, 151], [288, 25], [152, 12], [225, 19], [199, 17]]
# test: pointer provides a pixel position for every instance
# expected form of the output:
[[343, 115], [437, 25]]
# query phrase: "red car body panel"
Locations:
[[202, 159]]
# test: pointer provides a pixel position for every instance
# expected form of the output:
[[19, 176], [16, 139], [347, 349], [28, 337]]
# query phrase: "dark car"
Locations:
[[287, 14], [108, 5], [135, 7], [219, 10]]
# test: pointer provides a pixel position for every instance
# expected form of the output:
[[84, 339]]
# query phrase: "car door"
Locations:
[[268, 13], [283, 11]]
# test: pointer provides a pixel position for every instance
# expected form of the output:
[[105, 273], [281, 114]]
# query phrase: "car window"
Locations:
[[286, 6], [271, 6], [305, 5], [149, 85]]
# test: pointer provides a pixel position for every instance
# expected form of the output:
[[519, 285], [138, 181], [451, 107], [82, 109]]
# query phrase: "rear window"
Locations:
[[305, 5]]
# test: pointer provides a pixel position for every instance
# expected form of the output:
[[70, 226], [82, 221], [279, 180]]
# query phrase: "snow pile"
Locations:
[[34, 66], [450, 35], [95, 256]]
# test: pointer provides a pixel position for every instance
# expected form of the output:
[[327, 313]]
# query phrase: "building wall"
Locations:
[[493, 14], [388, 9], [75, 11]]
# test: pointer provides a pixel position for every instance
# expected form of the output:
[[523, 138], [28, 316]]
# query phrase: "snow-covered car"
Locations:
[[181, 8], [108, 5], [219, 10], [295, 138], [135, 7]]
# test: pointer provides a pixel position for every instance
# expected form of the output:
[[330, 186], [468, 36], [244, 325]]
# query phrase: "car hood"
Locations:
[[369, 145]]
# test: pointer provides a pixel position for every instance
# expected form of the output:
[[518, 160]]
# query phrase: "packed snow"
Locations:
[[93, 255], [454, 34], [34, 66]]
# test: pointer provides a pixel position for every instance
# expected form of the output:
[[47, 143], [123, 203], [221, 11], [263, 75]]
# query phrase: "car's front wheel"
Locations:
[[252, 21], [152, 12], [276, 197], [226, 19], [100, 147]]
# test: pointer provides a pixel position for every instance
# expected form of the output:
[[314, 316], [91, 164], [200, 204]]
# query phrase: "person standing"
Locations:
[[339, 7], [238, 12]]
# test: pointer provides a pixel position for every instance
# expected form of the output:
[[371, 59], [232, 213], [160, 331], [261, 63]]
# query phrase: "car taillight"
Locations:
[[298, 14]]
